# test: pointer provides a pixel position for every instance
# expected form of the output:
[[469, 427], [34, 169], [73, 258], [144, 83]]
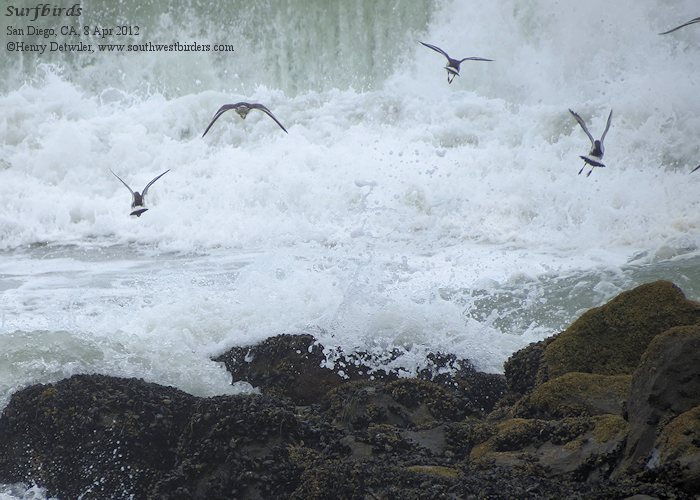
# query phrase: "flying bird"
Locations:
[[138, 205], [453, 64], [692, 21], [595, 157], [696, 168], [243, 108]]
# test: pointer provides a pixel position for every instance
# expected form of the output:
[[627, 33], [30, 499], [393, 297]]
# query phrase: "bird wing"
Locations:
[[120, 179], [474, 59], [145, 190], [692, 21], [436, 49], [220, 112], [607, 126], [268, 113], [583, 125], [696, 168]]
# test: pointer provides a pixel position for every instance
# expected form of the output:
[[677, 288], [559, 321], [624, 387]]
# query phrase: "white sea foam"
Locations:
[[399, 211]]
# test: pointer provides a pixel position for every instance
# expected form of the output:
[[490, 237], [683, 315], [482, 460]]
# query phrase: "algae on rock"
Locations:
[[576, 393], [610, 339]]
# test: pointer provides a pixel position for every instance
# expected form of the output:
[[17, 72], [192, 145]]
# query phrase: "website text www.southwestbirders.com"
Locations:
[[164, 47]]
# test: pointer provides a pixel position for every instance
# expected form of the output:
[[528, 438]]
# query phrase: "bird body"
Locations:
[[242, 108], [453, 65], [595, 156], [592, 160], [138, 202]]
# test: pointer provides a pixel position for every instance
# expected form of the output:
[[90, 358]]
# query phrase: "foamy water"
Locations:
[[399, 211]]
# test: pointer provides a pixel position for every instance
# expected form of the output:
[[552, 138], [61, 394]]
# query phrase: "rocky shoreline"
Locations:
[[608, 408]]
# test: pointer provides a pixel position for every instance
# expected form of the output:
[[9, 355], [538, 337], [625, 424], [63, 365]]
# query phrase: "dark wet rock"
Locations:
[[522, 368], [580, 447], [284, 365], [585, 371], [92, 435], [104, 437], [327, 426], [235, 447], [376, 479], [463, 436], [258, 446], [607, 340], [576, 394], [403, 415], [298, 367], [406, 403], [479, 391], [666, 385], [371, 479], [678, 449], [428, 399], [358, 479], [610, 339]]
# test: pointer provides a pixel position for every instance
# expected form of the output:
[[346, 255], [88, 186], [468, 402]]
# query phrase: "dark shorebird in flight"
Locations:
[[595, 157], [138, 205], [692, 21], [243, 108], [453, 64]]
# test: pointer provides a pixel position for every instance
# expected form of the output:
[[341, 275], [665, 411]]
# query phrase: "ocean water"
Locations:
[[399, 212]]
